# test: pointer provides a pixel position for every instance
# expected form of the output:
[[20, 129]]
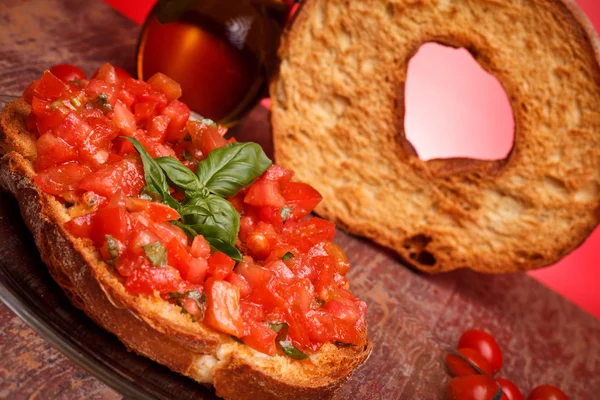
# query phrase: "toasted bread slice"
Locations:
[[148, 325], [338, 119]]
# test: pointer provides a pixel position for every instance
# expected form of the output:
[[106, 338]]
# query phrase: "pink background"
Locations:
[[472, 119]]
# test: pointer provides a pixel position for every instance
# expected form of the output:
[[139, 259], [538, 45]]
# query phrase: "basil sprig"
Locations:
[[229, 169], [156, 253], [225, 172], [285, 342], [156, 181]]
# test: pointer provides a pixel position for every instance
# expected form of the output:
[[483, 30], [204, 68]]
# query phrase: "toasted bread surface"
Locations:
[[338, 119], [149, 325]]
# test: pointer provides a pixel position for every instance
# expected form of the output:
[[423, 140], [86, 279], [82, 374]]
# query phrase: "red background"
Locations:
[[473, 119]]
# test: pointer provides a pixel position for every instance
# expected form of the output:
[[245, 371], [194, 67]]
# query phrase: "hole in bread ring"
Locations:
[[541, 199], [458, 110]]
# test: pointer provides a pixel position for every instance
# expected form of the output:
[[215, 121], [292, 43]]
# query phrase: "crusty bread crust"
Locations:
[[338, 119], [147, 324]]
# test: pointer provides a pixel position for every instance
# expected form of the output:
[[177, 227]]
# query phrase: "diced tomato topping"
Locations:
[[158, 212], [145, 111], [50, 87], [279, 174], [260, 337], [301, 199], [265, 193], [106, 73], [123, 118], [178, 113], [101, 92], [81, 226], [52, 150], [157, 128], [126, 175], [146, 280], [110, 221], [220, 265], [73, 130], [223, 307], [167, 86], [200, 248], [61, 178], [291, 272]]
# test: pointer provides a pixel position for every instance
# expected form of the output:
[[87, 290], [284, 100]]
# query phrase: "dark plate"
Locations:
[[27, 288]]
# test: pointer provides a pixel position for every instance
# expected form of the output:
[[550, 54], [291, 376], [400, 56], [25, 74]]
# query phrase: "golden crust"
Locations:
[[338, 121], [147, 324]]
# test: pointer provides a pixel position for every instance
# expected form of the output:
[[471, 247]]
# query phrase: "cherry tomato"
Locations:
[[472, 387], [68, 72], [459, 367], [510, 391], [485, 344], [547, 392]]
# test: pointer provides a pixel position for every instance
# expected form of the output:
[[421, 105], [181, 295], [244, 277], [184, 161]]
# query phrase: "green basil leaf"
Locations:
[[292, 351], [278, 327], [211, 231], [170, 10], [224, 247], [180, 175], [156, 253], [286, 256], [113, 248], [186, 229], [176, 295], [156, 180], [229, 169], [212, 211]]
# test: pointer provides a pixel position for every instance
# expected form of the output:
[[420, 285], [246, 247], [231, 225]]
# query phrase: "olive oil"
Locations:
[[222, 52]]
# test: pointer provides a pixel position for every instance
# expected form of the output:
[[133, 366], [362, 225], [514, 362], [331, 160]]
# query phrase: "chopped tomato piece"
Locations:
[[52, 150], [110, 221], [265, 193], [49, 114], [260, 337], [73, 130], [196, 270], [106, 73], [157, 128], [123, 118], [308, 233], [223, 307], [220, 265], [50, 87], [146, 280], [126, 97], [157, 211], [61, 178], [166, 85], [30, 91], [142, 237], [81, 226], [145, 111], [200, 247], [301, 199], [127, 175], [241, 283], [179, 113], [279, 174], [101, 93], [122, 74], [167, 232]]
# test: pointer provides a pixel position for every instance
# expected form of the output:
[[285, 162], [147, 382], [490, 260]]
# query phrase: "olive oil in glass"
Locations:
[[222, 52]]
